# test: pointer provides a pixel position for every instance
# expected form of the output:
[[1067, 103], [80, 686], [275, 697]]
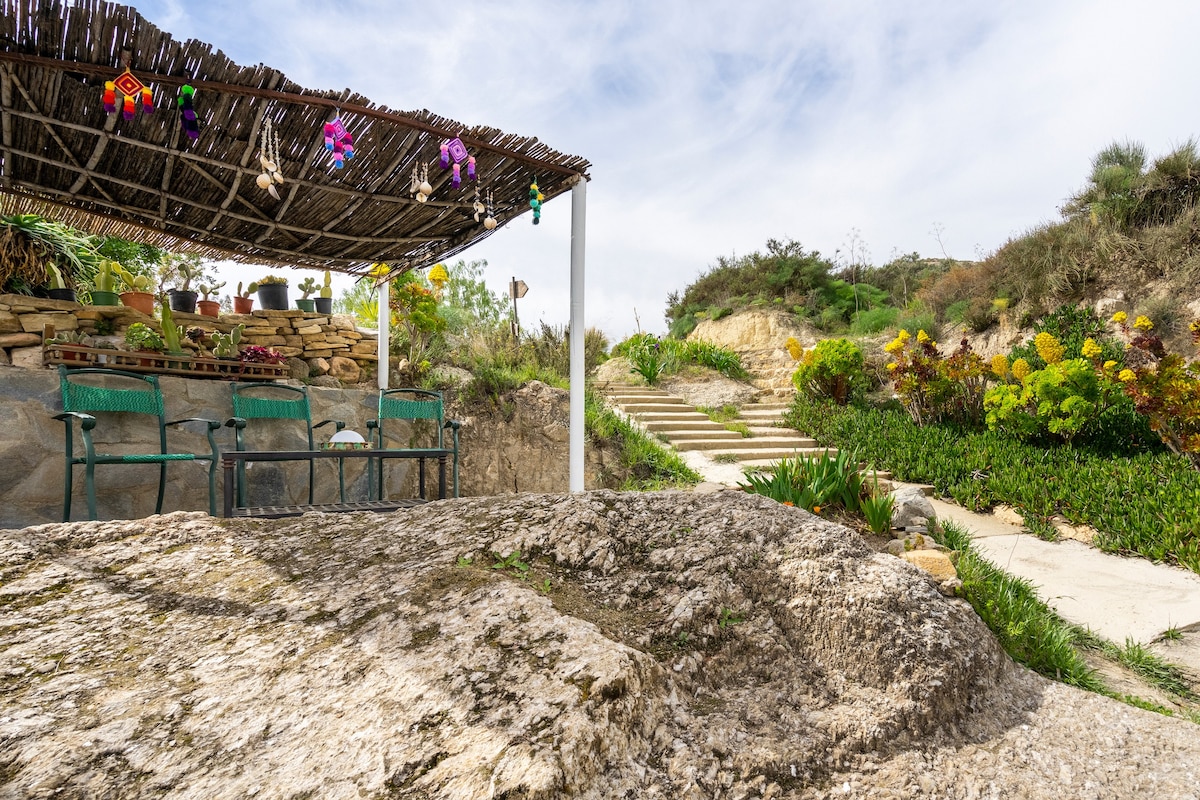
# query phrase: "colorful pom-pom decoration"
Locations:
[[187, 112], [338, 141], [535, 201], [134, 92], [453, 154]]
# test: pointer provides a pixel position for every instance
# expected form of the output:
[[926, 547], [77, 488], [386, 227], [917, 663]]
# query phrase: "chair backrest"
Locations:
[[273, 401], [112, 390], [411, 404]]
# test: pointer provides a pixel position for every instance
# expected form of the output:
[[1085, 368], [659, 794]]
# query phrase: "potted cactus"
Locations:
[[304, 303], [227, 345], [58, 289], [105, 283], [209, 308], [325, 300], [137, 294], [243, 303], [184, 299], [272, 293]]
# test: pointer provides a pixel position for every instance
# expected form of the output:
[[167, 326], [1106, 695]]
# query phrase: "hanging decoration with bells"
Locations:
[[269, 160], [132, 88], [420, 183], [454, 152], [489, 221], [535, 201], [339, 141], [187, 112]]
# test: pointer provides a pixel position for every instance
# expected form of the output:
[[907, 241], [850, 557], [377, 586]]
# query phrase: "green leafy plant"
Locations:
[[646, 357], [877, 509], [933, 388], [812, 482], [140, 336], [327, 286], [251, 289], [728, 618], [271, 280], [511, 561], [833, 369]]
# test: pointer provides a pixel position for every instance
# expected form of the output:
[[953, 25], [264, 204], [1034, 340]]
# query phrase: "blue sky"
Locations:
[[882, 127]]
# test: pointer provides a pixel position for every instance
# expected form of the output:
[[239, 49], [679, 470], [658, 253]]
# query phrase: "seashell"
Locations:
[[263, 160], [274, 193], [263, 180], [277, 176], [422, 197], [489, 223], [425, 189]]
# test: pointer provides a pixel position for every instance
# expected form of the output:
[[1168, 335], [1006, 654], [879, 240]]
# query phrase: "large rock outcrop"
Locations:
[[668, 645]]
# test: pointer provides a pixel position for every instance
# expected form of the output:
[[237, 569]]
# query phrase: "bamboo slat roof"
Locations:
[[63, 156]]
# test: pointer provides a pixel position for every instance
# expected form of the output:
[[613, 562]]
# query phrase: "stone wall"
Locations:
[[316, 344], [521, 447]]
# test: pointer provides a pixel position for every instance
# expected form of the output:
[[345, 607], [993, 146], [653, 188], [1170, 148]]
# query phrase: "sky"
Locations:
[[863, 130]]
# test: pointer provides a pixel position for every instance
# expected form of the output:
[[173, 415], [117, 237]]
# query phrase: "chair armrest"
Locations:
[[211, 423], [372, 424], [236, 422], [86, 421], [452, 424], [337, 423]]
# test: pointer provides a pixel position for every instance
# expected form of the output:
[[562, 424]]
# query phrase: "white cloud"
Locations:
[[713, 126]]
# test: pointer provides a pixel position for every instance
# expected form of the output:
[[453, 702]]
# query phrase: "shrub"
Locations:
[[832, 370], [936, 389], [874, 320], [1060, 400], [1166, 389]]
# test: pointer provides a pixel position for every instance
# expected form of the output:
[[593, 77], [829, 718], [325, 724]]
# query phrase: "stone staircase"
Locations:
[[687, 429]]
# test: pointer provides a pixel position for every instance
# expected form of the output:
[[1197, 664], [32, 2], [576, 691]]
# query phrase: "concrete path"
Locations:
[[1117, 597]]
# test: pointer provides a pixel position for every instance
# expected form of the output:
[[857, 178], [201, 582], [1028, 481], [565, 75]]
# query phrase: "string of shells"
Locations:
[[269, 160]]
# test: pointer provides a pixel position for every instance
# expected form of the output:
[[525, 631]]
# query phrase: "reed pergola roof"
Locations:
[[62, 155]]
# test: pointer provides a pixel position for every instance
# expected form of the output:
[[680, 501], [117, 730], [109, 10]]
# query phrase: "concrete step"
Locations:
[[658, 406], [768, 443], [768, 458], [660, 426], [652, 416], [681, 439]]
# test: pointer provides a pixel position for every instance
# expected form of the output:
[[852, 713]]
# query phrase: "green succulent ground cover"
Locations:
[[1144, 503]]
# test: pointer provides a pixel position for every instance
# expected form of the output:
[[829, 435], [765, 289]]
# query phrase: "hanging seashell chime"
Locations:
[[420, 183], [269, 160]]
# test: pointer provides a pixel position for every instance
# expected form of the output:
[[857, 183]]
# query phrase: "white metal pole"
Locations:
[[385, 318], [578, 228]]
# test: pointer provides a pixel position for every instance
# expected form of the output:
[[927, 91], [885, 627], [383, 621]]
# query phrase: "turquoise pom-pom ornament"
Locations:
[[535, 201]]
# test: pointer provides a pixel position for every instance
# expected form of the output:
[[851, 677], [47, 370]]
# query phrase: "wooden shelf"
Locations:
[[74, 355]]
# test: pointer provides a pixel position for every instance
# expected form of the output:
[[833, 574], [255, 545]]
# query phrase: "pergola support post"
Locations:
[[384, 346], [578, 228]]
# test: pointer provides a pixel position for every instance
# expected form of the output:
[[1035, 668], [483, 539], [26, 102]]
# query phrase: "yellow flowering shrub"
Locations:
[[1090, 349], [1143, 324], [1000, 365], [1048, 348], [1120, 317], [1020, 369]]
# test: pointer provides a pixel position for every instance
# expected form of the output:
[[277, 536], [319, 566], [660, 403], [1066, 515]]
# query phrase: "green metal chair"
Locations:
[[276, 401], [121, 393], [412, 405]]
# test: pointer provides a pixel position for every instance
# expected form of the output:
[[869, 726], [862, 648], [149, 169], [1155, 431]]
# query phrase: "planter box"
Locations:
[[161, 363]]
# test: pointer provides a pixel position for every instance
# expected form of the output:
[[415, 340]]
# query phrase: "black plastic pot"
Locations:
[[273, 296], [324, 305], [61, 294], [183, 301]]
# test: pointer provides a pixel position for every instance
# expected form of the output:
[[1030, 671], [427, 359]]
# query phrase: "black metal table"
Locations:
[[229, 461]]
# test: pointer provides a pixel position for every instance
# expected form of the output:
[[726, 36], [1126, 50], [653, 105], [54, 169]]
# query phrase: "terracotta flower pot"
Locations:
[[243, 305], [209, 308], [139, 301]]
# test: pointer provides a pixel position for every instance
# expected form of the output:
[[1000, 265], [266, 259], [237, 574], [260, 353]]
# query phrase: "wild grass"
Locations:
[[649, 465]]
